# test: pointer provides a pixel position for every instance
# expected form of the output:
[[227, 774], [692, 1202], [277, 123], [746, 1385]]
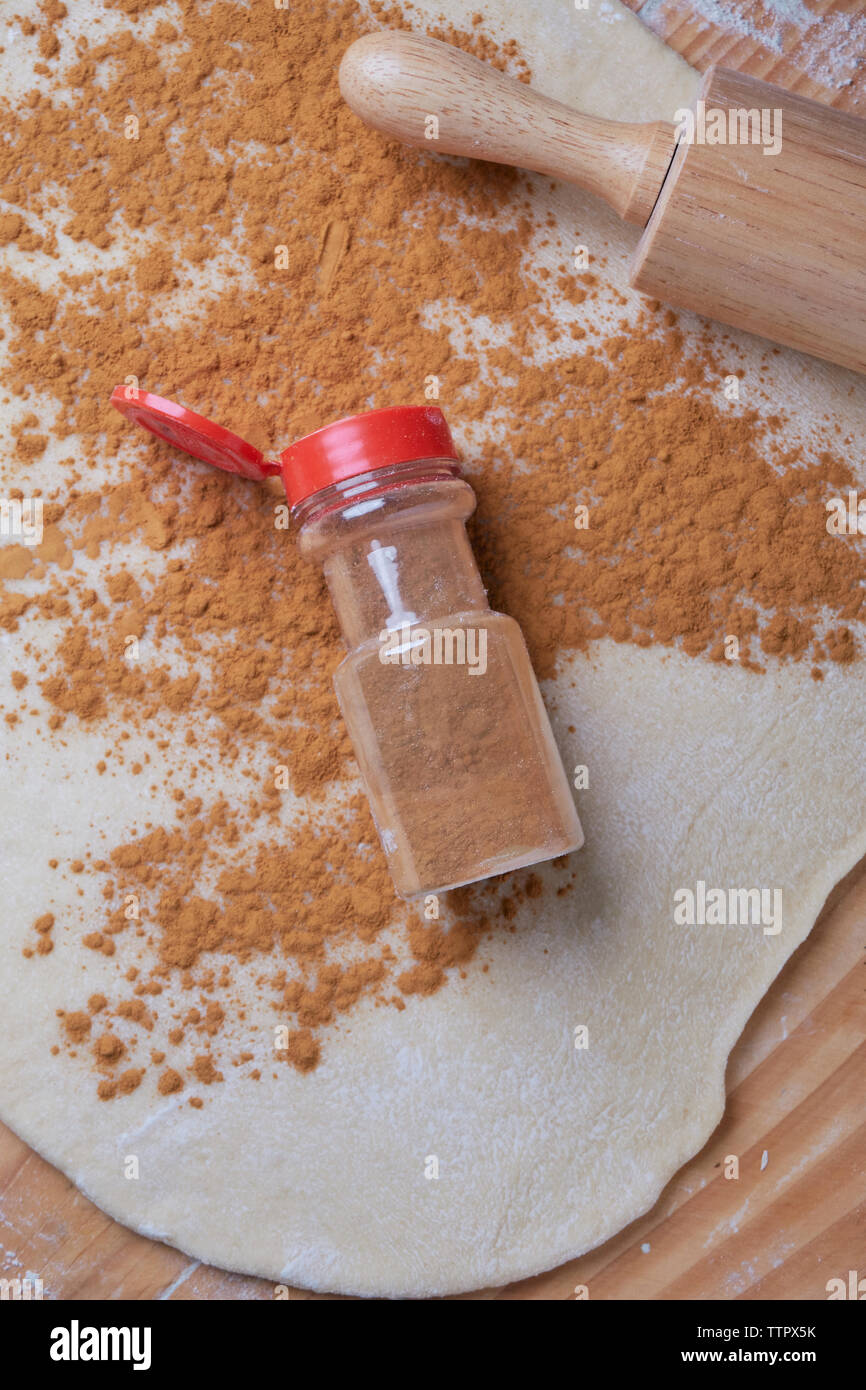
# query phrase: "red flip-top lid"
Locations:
[[193, 433], [344, 449]]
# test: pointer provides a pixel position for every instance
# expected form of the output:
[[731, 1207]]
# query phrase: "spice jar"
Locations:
[[437, 691]]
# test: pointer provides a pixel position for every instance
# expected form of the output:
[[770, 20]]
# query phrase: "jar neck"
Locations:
[[364, 487], [396, 550]]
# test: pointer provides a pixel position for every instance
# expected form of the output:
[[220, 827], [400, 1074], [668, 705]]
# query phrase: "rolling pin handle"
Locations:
[[428, 93]]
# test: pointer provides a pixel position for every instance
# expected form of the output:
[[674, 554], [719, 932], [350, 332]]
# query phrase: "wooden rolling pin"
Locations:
[[768, 236]]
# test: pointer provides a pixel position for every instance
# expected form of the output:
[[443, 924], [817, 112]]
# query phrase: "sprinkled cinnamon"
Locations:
[[705, 520]]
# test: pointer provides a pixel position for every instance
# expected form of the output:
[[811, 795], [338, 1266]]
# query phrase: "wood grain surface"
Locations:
[[821, 55], [796, 1112]]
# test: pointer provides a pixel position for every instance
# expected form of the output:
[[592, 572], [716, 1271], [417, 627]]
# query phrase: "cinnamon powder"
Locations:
[[702, 525]]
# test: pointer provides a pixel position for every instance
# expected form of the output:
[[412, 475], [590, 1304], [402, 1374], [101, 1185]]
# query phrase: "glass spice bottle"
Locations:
[[451, 736]]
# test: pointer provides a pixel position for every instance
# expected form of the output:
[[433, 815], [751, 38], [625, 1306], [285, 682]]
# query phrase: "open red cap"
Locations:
[[193, 433], [358, 444]]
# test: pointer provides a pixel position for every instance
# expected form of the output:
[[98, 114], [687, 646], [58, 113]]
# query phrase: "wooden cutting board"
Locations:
[[816, 49], [796, 1113]]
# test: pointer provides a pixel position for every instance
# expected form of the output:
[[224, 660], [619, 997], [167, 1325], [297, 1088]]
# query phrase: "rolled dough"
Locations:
[[544, 1149]]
